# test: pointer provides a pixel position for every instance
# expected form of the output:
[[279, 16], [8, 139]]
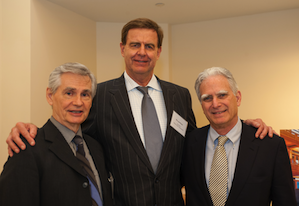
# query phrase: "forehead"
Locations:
[[214, 84], [142, 34], [75, 81]]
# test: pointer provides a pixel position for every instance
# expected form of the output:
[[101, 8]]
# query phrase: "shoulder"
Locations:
[[198, 133], [249, 132], [116, 81], [171, 85]]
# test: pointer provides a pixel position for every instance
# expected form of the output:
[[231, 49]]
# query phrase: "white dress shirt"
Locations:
[[135, 97]]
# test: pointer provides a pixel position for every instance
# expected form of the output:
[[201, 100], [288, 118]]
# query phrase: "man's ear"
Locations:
[[49, 96], [239, 98], [122, 47], [159, 52]]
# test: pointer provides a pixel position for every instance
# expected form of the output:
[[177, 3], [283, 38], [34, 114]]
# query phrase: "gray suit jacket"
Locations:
[[50, 174], [111, 123], [263, 172]]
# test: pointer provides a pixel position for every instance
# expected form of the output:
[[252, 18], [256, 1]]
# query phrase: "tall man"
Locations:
[[223, 163], [51, 174], [143, 175]]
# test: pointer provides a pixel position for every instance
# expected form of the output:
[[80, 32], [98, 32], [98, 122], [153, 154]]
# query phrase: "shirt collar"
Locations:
[[233, 135], [66, 132], [131, 84]]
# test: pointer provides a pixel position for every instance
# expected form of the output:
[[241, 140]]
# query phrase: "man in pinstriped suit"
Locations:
[[115, 121]]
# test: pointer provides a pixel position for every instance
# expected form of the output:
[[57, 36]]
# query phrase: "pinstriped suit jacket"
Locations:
[[111, 122]]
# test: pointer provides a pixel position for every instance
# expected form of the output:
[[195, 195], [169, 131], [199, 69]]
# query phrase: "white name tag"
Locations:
[[178, 123]]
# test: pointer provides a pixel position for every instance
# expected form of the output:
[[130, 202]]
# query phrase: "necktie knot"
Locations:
[[79, 142], [222, 140], [143, 90]]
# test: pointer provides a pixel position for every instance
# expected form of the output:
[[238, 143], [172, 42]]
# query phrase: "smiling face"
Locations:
[[141, 53], [219, 103], [72, 100]]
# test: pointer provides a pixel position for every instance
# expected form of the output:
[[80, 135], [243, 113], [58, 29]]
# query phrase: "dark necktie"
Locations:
[[219, 174], [151, 128], [80, 154]]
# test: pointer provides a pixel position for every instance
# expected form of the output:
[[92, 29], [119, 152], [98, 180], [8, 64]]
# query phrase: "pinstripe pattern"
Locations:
[[111, 122]]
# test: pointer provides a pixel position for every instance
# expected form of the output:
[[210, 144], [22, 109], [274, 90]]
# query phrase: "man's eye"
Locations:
[[149, 47], [222, 95], [68, 93], [135, 45], [207, 99], [86, 95]]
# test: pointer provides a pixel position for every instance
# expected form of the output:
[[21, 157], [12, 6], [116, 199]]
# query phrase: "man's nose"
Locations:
[[216, 102], [142, 50], [78, 100]]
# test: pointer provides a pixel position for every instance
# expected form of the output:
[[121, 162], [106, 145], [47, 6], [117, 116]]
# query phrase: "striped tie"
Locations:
[[219, 174], [80, 154]]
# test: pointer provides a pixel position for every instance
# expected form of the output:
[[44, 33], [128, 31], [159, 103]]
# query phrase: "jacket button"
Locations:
[[85, 184]]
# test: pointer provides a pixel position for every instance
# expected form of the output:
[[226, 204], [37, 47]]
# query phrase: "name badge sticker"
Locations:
[[178, 123]]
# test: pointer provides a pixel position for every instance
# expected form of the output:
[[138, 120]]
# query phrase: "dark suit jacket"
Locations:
[[50, 174], [263, 172], [111, 122]]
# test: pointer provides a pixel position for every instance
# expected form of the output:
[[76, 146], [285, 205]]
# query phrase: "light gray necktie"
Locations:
[[151, 128], [219, 174]]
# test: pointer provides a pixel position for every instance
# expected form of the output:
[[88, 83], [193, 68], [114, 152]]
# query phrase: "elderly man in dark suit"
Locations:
[[223, 163], [51, 174], [144, 159]]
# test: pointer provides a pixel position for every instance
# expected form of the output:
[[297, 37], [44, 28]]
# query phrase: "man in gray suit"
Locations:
[[116, 122]]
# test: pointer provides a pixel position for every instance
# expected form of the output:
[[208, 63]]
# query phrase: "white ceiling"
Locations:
[[173, 11]]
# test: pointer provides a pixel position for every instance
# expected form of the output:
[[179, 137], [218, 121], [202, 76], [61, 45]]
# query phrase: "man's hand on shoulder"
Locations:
[[262, 130], [27, 130]]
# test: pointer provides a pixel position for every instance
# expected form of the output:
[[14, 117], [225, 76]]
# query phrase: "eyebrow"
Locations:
[[222, 92], [74, 89], [204, 96], [207, 95]]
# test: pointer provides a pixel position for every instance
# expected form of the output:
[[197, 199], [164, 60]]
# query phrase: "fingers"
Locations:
[[14, 141], [27, 130], [10, 153], [13, 146]]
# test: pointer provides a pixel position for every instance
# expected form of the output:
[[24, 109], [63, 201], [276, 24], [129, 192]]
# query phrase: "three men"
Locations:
[[223, 163], [116, 121], [51, 174]]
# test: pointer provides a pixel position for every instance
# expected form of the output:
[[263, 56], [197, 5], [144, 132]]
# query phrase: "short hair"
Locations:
[[214, 71], [71, 67], [141, 23]]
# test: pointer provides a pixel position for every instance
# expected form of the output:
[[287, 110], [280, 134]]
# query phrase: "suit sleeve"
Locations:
[[282, 185], [19, 181], [191, 117]]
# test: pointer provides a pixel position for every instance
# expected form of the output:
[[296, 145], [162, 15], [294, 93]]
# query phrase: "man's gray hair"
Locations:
[[214, 71], [72, 67]]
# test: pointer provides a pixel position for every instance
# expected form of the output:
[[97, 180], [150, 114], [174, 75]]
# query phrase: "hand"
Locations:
[[263, 129], [14, 141]]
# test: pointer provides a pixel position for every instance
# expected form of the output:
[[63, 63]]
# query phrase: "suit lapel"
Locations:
[[169, 96], [121, 105], [60, 147], [246, 157], [198, 152]]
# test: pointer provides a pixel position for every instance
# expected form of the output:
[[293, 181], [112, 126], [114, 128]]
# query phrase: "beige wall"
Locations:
[[36, 37], [15, 67], [262, 52], [110, 63]]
